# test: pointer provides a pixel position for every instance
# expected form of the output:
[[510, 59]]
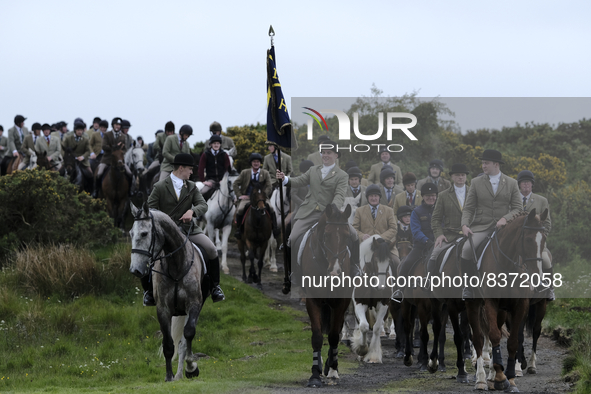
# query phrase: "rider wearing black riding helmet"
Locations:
[[249, 178], [173, 145], [422, 232], [213, 165]]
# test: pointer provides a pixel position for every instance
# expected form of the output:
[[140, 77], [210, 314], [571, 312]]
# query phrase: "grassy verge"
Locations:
[[108, 342]]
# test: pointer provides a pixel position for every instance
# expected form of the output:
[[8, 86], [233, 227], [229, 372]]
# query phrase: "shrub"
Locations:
[[39, 206]]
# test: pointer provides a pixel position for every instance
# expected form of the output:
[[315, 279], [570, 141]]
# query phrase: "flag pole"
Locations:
[[286, 260]]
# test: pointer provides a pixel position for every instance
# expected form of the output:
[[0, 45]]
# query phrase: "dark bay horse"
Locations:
[[115, 188], [512, 258], [73, 172], [177, 279], [326, 253], [256, 234]]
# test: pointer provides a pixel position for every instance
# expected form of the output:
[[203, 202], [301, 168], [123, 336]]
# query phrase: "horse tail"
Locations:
[[177, 332], [326, 318], [531, 319]]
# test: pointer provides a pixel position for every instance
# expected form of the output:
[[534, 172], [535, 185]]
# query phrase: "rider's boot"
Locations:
[[468, 268], [432, 271], [550, 296], [148, 290], [97, 187], [214, 275]]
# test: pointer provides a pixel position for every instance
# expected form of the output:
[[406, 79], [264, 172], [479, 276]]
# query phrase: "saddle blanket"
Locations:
[[202, 258]]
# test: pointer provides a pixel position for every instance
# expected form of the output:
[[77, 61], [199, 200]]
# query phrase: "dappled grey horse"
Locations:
[[178, 271]]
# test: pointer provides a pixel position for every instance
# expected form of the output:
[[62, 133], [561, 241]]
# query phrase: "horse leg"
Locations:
[[454, 316], [375, 347], [218, 245], [424, 316], [520, 356], [331, 368], [315, 314], [251, 271], [260, 265], [466, 334], [438, 328], [181, 344], [164, 318], [192, 370], [494, 317], [473, 313], [359, 343], [225, 236], [416, 342], [242, 260], [539, 311], [442, 338], [408, 329], [519, 312]]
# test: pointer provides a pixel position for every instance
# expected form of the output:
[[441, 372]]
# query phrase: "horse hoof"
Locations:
[[191, 375], [502, 385], [400, 354], [249, 279], [532, 370], [416, 343], [332, 382], [442, 368], [462, 379], [273, 269], [519, 374], [408, 361], [260, 286], [424, 368], [226, 271], [314, 382], [481, 386], [512, 389]]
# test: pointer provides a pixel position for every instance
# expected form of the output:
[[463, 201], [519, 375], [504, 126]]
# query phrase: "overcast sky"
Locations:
[[195, 62]]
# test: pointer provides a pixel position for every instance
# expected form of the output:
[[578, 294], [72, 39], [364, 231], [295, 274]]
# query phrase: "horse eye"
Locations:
[[144, 234]]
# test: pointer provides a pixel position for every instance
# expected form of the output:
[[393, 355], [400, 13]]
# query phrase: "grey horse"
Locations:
[[177, 276]]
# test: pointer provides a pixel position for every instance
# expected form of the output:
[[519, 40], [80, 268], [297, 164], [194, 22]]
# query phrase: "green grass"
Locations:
[[109, 344]]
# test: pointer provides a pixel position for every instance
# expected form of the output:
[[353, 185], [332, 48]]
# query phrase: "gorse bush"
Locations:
[[39, 206]]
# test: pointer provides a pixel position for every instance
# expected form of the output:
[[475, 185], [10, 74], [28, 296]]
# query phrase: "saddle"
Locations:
[[206, 282]]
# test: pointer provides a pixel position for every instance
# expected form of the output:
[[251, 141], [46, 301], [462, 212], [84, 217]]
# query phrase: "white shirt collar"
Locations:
[[177, 183], [495, 178], [460, 190], [213, 151]]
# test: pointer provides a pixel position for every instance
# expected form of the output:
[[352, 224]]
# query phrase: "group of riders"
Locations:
[[431, 213]]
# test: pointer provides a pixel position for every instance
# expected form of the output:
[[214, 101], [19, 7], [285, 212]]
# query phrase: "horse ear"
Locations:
[[374, 243], [544, 215], [133, 209], [531, 215], [348, 210], [146, 208]]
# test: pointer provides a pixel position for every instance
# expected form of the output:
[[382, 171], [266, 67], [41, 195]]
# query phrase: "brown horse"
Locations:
[[115, 188], [13, 164], [511, 262], [256, 234], [326, 254]]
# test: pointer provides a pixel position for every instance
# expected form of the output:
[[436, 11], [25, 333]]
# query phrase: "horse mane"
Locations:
[[366, 252], [517, 216], [224, 184]]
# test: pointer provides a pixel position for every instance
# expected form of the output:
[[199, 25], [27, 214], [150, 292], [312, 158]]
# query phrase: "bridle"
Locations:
[[327, 252], [522, 263], [135, 162], [150, 252], [229, 198]]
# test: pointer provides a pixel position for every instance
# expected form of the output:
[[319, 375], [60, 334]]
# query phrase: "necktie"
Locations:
[[77, 139], [34, 139], [355, 192], [255, 177], [181, 146], [388, 193], [374, 212], [275, 156], [62, 136], [524, 202], [408, 199], [47, 138]]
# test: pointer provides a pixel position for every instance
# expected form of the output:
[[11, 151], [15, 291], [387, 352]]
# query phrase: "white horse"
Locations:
[[374, 260], [134, 159], [220, 214], [32, 159], [354, 202], [275, 203]]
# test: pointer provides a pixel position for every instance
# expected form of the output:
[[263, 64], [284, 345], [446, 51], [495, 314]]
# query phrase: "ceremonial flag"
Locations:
[[279, 128]]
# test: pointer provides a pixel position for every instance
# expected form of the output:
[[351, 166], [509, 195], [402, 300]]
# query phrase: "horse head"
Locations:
[[144, 240], [118, 159], [69, 162], [334, 237], [134, 158], [376, 257], [32, 159], [42, 161]]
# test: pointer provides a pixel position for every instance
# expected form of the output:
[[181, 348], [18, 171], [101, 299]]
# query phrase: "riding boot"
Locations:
[[432, 271], [274, 226], [148, 290], [97, 187], [550, 295], [469, 269], [213, 269], [238, 232]]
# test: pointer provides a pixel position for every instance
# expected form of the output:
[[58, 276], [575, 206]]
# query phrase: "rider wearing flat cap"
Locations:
[[492, 200], [180, 199]]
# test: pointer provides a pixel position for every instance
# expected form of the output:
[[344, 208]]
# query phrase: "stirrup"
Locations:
[[467, 293], [397, 296], [217, 294], [149, 298]]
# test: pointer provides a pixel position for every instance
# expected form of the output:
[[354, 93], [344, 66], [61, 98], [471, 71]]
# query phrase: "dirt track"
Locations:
[[392, 375]]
